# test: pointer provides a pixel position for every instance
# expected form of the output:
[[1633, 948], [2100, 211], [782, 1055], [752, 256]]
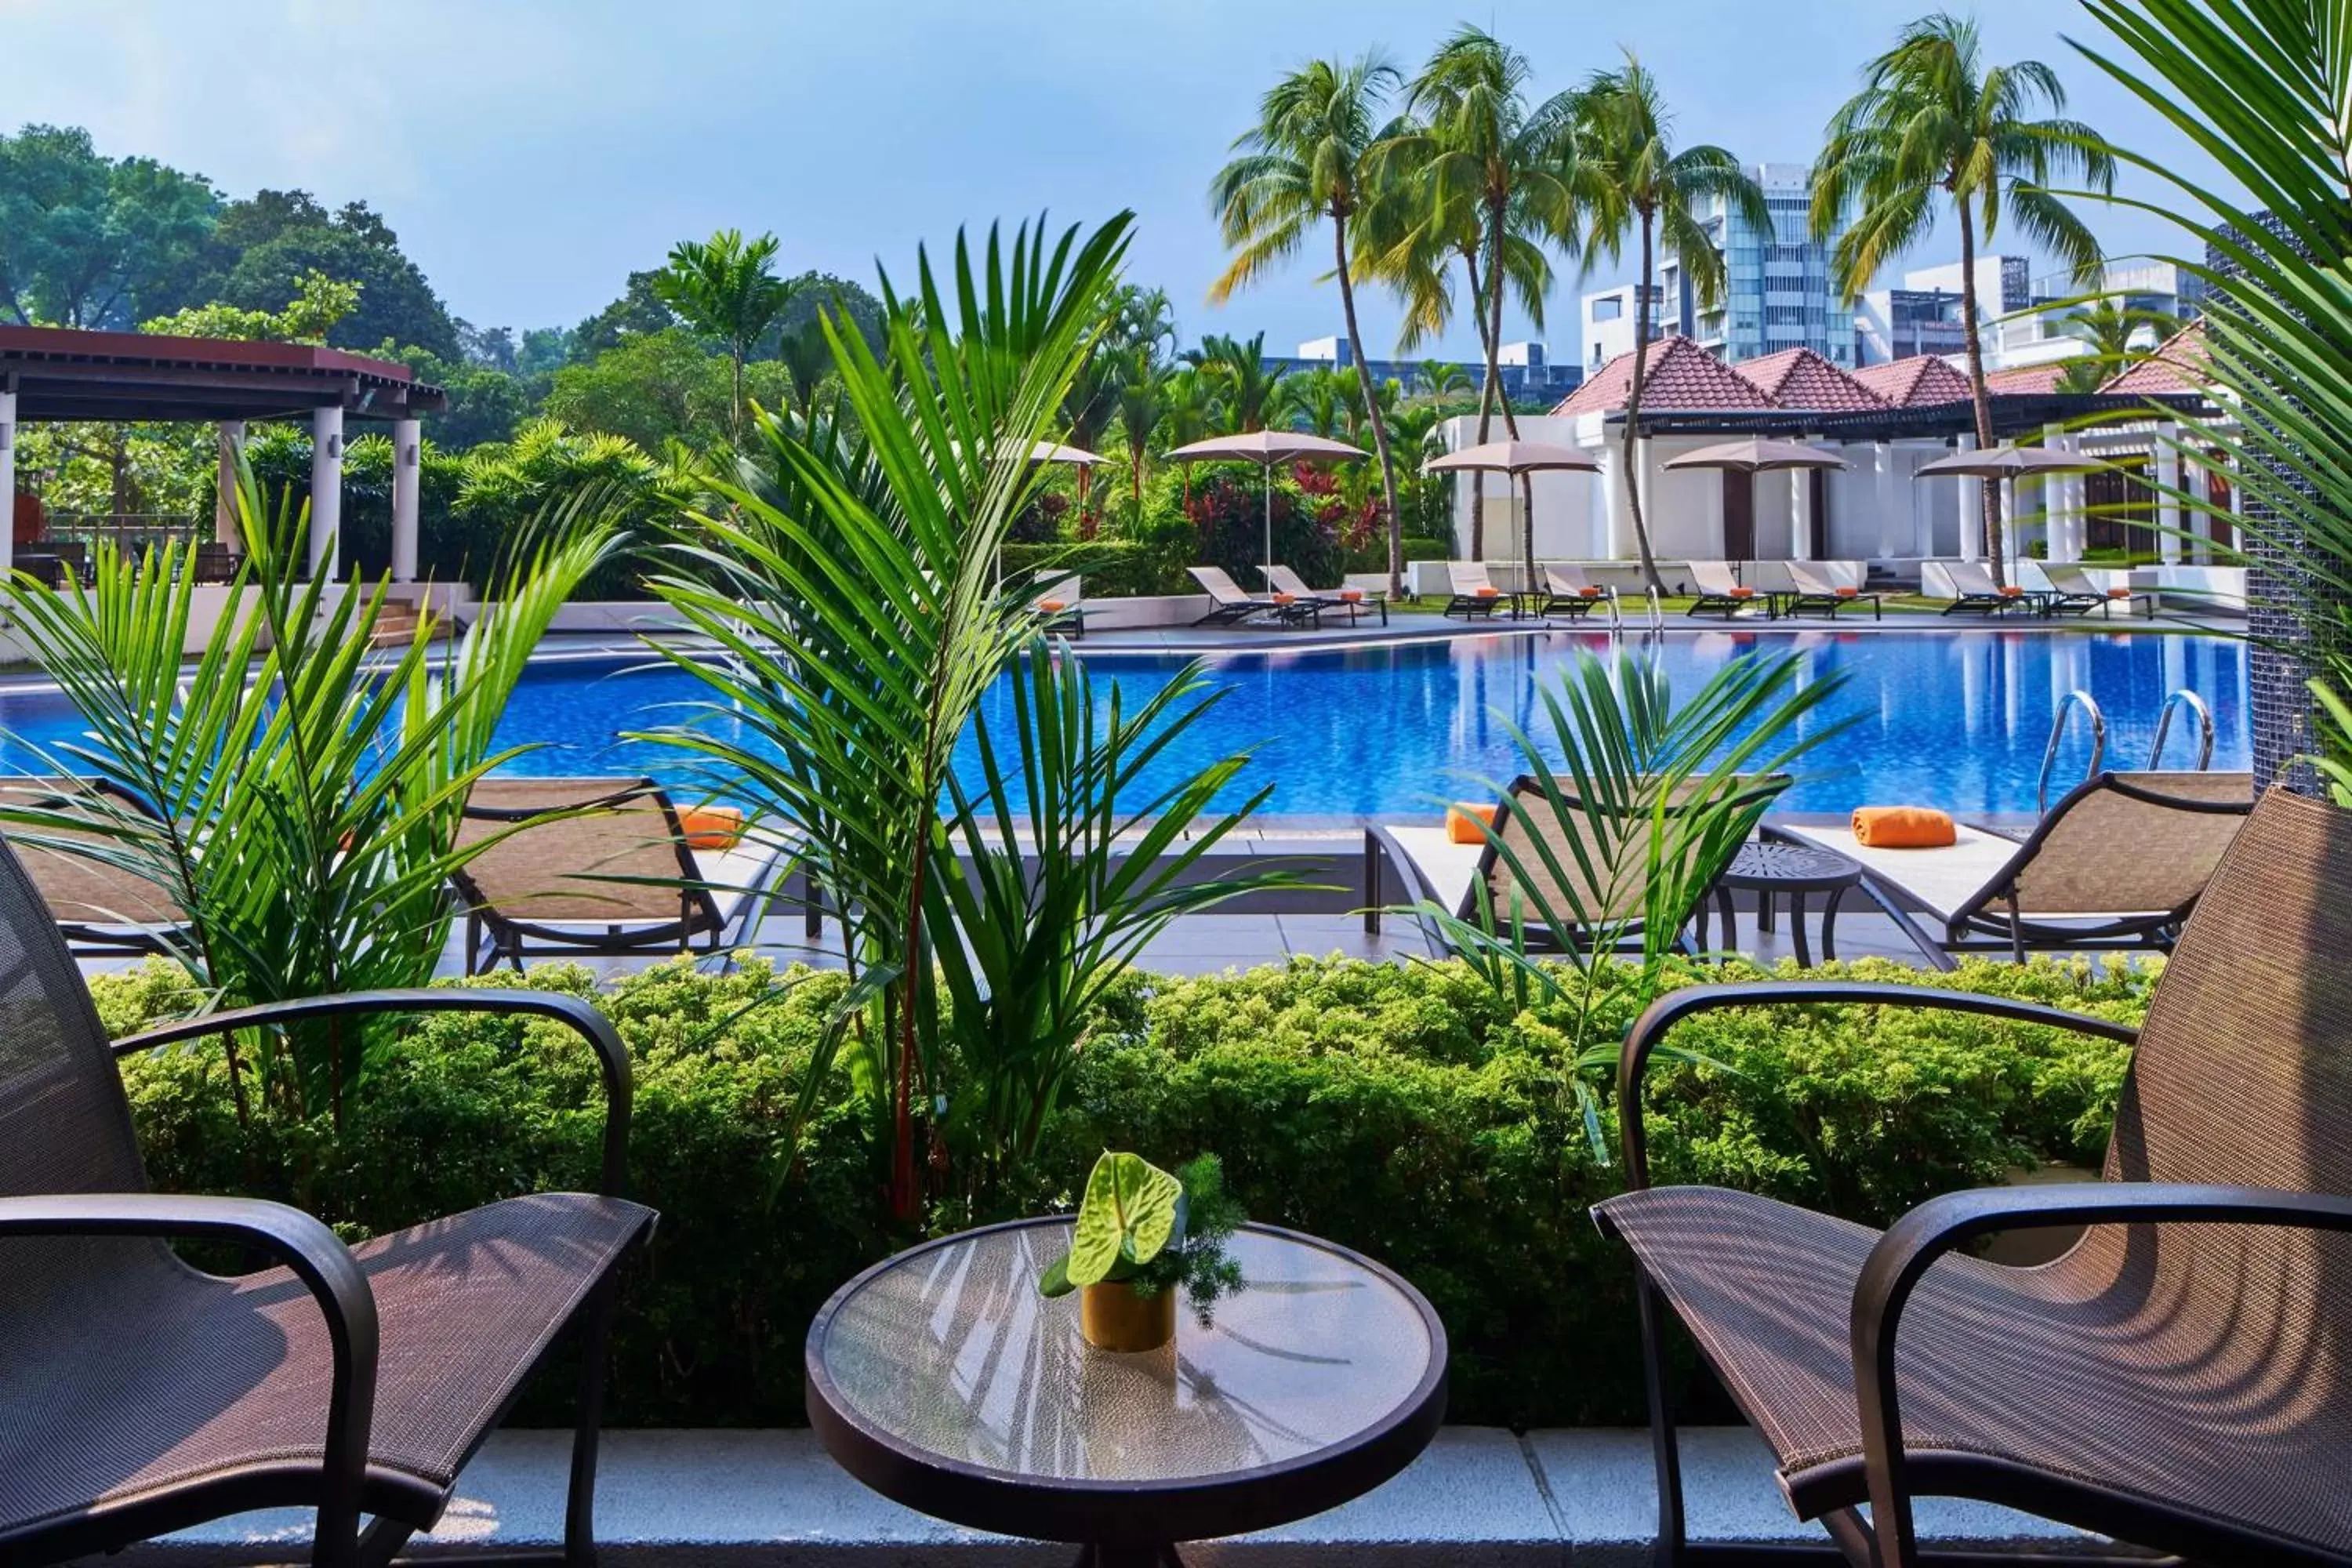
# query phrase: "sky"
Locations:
[[531, 153]]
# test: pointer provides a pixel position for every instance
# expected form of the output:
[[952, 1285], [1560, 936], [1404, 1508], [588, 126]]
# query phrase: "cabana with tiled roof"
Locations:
[[1802, 379], [1923, 381], [50, 374]]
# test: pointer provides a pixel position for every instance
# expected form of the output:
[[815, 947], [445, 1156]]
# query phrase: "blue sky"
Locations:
[[530, 153]]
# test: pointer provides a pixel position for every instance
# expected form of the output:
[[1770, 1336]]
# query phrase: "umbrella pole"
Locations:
[[1268, 572]]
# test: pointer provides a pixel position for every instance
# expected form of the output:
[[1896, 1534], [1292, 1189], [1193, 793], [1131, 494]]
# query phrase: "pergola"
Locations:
[[51, 374]]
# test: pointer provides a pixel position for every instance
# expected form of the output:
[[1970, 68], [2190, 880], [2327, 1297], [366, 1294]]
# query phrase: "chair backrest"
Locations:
[[2129, 842], [606, 864], [1971, 577], [1283, 580], [1714, 576], [2243, 1073], [1809, 578], [1569, 580], [1468, 577], [2070, 579], [65, 1124], [1221, 587], [1062, 586], [1529, 828]]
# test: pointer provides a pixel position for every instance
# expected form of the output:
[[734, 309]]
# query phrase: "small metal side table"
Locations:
[[942, 1380], [1768, 868]]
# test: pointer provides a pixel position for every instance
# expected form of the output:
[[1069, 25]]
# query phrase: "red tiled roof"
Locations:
[[2026, 380], [1800, 378], [1923, 381], [1680, 376], [2178, 366]]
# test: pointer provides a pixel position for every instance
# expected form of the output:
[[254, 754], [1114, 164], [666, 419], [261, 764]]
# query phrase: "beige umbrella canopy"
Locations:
[[2007, 463], [1515, 458], [1054, 452], [1266, 448], [1755, 455]]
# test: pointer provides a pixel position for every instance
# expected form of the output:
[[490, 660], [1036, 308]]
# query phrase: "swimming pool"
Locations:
[[1956, 721]]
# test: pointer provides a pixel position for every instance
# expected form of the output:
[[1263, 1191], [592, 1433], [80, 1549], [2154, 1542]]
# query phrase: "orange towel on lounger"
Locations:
[[712, 826], [1902, 827], [1463, 820]]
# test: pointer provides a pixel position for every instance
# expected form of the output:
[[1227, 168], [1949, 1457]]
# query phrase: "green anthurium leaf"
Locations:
[[1128, 1216], [1055, 1280]]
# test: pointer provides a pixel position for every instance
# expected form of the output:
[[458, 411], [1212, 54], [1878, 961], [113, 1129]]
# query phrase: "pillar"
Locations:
[[229, 440], [1645, 471], [326, 490], [1614, 504], [407, 455], [2167, 504], [2057, 504], [1897, 528], [8, 477], [1971, 509], [1801, 514]]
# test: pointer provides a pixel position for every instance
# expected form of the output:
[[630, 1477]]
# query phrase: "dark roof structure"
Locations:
[[62, 374]]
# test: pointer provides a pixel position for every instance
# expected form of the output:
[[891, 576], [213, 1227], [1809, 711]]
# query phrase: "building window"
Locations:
[[1608, 308]]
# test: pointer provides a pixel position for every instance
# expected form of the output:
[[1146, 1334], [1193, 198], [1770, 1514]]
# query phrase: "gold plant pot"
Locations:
[[1114, 1318]]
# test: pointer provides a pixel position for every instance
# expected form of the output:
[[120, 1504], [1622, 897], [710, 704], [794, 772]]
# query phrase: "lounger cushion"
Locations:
[[2088, 1367], [1445, 867], [1941, 882], [172, 1377]]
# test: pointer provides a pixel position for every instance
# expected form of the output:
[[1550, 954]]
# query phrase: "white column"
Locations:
[[2168, 507], [229, 440], [407, 457], [1971, 509], [326, 490], [2012, 547], [1614, 504], [2057, 508], [1645, 468], [1801, 514], [1896, 525], [7, 479]]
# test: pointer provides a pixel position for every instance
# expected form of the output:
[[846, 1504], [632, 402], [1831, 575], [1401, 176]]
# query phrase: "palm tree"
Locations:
[[1141, 386], [1187, 412], [1304, 162], [1631, 178], [726, 289], [2119, 335], [1933, 123], [1441, 378], [1313, 398], [805, 356], [1089, 405], [1488, 177], [1246, 388]]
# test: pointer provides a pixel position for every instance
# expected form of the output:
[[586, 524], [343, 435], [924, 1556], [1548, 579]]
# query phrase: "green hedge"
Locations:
[[1400, 1111]]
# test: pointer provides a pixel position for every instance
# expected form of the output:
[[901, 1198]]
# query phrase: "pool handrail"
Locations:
[[2183, 697], [2066, 705]]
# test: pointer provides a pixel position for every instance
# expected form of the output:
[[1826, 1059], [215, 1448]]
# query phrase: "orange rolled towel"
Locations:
[[1902, 827], [1849, 593], [712, 826], [1588, 593], [1464, 821], [1286, 598], [1742, 593], [1351, 595], [1489, 592], [1053, 606]]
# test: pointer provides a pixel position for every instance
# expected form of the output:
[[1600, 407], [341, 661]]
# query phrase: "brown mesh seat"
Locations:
[[140, 1395], [618, 875], [2181, 1376]]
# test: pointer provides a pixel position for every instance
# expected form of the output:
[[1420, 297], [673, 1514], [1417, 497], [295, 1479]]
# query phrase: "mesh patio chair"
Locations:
[[103, 910], [139, 1395], [619, 875], [2177, 1379], [1432, 868], [2117, 863]]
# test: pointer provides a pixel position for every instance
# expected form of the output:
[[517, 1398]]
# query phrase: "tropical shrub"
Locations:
[[1406, 1111], [1228, 510]]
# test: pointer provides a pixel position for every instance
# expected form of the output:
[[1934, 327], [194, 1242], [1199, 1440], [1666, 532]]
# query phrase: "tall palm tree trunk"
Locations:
[[1372, 404], [1633, 411], [1978, 394], [1490, 330]]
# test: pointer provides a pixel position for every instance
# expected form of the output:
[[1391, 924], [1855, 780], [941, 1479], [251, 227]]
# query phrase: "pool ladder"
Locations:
[[2088, 705], [1655, 620]]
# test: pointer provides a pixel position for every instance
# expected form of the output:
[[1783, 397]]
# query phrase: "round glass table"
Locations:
[[942, 1380]]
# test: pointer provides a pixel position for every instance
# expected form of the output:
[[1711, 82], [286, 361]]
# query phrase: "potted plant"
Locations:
[[1141, 1233]]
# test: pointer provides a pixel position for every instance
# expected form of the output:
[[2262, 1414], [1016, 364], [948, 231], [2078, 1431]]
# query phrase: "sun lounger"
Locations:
[[1720, 591], [1059, 600], [2118, 863], [1568, 592], [1979, 594], [1817, 590], [2072, 593], [1354, 602], [1474, 594], [2171, 1380], [103, 908], [618, 876], [1229, 606]]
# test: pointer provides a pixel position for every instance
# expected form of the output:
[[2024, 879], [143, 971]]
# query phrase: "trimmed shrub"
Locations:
[[1403, 1111]]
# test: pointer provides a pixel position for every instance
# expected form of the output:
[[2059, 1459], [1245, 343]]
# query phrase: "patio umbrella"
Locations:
[[2006, 464], [1077, 458], [1266, 448], [1515, 458], [1757, 456]]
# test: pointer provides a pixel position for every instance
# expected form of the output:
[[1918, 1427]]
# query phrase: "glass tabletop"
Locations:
[[948, 1350]]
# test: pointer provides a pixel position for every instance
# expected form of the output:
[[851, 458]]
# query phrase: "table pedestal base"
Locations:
[[1129, 1557]]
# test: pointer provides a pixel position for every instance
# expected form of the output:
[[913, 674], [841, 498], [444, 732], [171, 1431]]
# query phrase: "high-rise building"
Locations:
[[1527, 374]]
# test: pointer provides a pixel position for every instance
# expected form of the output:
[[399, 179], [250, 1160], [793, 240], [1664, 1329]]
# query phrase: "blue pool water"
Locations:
[[1958, 721]]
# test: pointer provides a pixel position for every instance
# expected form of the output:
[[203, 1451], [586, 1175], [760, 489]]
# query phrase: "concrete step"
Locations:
[[1479, 1497]]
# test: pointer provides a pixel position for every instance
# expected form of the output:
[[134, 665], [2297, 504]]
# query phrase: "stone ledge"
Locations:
[[1480, 1497]]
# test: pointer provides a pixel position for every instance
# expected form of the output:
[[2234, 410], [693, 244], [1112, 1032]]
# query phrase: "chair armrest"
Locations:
[[582, 1017], [323, 1264], [1903, 1254], [1672, 1008]]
